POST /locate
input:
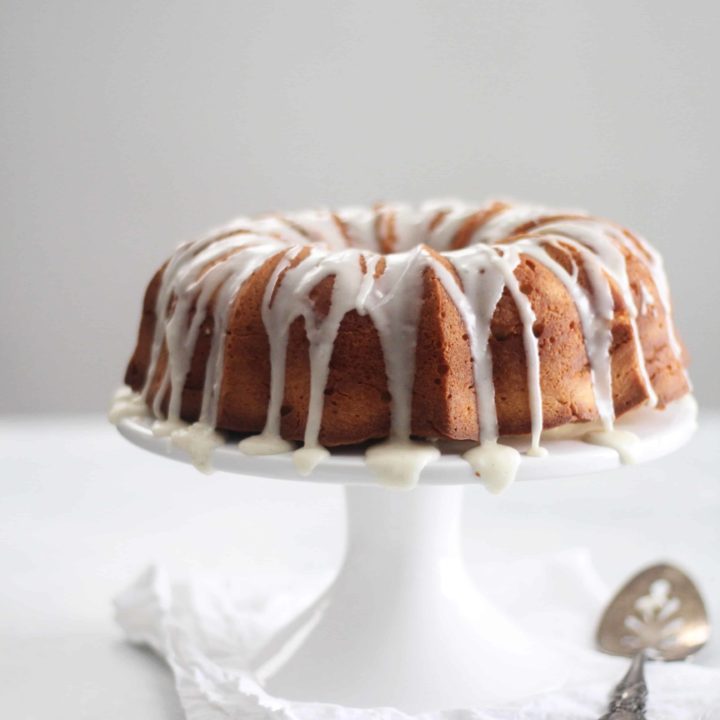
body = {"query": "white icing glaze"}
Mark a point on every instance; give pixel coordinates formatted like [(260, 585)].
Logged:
[(495, 464), (572, 431), (532, 348), (482, 280), (607, 243), (595, 311), (265, 445), (536, 451), (204, 279), (624, 441), (165, 428), (307, 458), (198, 440), (126, 403), (397, 463), (393, 303)]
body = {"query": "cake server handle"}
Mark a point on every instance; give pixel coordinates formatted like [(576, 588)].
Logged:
[(630, 695)]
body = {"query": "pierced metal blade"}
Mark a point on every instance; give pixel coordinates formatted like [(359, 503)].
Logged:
[(659, 611)]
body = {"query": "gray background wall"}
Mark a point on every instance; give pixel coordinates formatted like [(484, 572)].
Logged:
[(128, 127)]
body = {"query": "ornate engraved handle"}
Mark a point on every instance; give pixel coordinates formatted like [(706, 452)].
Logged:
[(628, 698)]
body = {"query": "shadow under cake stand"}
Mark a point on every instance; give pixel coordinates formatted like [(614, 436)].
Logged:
[(402, 625)]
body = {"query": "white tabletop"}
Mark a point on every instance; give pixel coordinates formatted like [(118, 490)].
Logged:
[(82, 512)]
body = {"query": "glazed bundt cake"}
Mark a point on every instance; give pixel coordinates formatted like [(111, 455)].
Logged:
[(402, 324)]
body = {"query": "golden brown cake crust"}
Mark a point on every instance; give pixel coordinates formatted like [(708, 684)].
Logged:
[(357, 400)]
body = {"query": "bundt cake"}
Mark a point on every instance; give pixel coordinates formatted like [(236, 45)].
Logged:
[(407, 325)]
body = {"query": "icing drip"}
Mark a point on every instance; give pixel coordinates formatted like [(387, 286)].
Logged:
[(495, 464), (125, 404), (397, 463), (595, 312), (532, 349), (198, 440), (265, 444), (607, 244), (241, 267), (346, 269), (165, 428), (483, 280), (659, 278), (204, 279), (307, 458), (275, 314), (482, 286), (572, 431), (624, 441), (394, 303)]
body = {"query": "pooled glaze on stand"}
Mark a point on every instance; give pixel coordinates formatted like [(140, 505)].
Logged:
[(377, 259)]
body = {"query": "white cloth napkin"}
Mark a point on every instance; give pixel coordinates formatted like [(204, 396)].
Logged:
[(207, 629)]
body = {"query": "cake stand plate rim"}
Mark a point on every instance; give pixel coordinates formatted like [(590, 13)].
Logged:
[(660, 433)]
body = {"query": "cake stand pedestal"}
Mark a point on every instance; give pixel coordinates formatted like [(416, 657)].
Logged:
[(402, 624)]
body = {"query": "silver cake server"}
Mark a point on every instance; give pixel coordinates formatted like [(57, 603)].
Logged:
[(657, 615)]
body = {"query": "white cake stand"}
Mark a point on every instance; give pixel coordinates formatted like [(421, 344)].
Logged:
[(402, 625)]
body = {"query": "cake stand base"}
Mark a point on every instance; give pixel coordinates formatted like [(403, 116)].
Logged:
[(403, 625)]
